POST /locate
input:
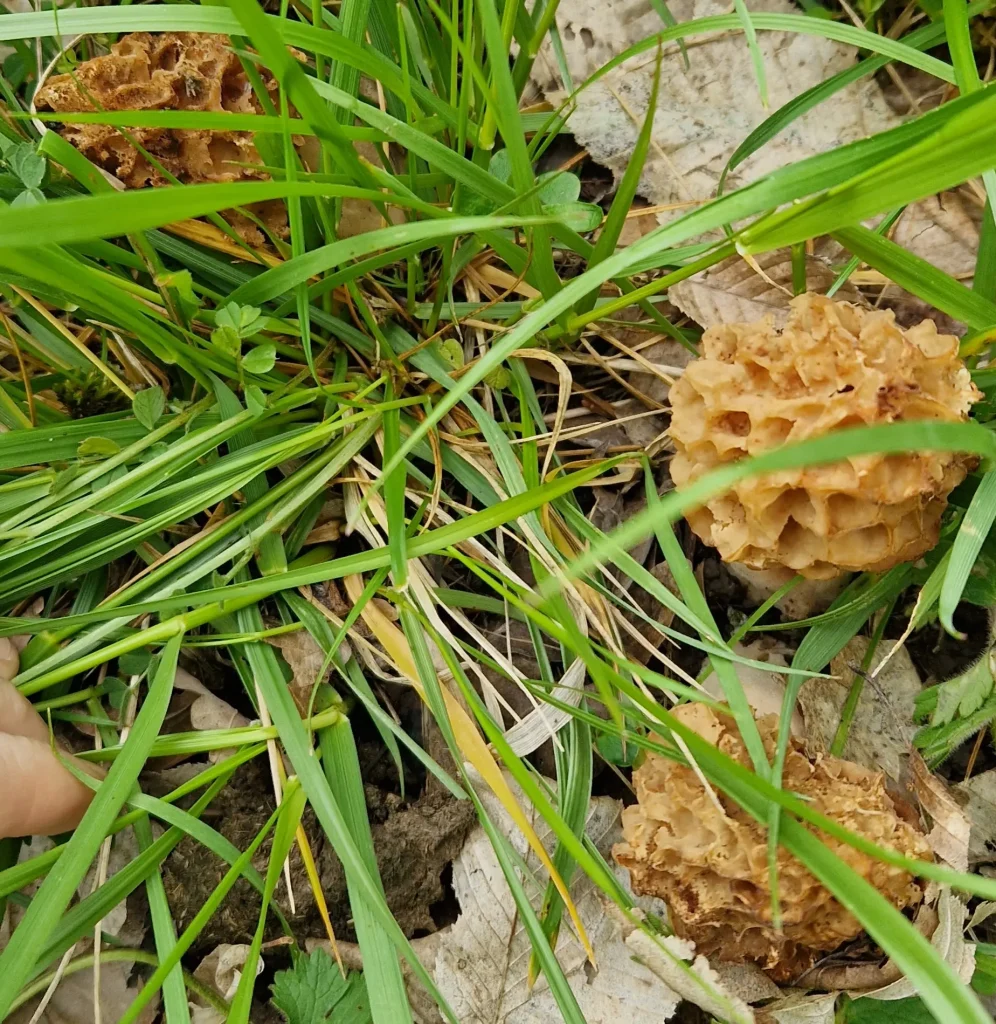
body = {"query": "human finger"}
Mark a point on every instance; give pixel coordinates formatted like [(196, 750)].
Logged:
[(40, 796), (18, 716)]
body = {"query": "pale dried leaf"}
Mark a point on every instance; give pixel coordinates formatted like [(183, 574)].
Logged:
[(979, 795), (746, 982), (685, 979), (881, 732), (481, 962), (128, 929), (944, 231), (205, 1015), (665, 353), (734, 292), (706, 110), (211, 712), (982, 913), (73, 999), (306, 661), (949, 838), (797, 1008), (208, 711), (949, 942)]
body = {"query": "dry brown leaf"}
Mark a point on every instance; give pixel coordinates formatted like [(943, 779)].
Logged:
[(221, 969), (735, 292), (706, 110), (306, 661), (666, 352), (685, 978), (128, 927), (982, 913), (208, 711), (746, 982), (949, 837), (881, 732), (480, 963)]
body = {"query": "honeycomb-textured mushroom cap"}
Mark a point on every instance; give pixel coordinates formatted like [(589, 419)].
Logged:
[(167, 71), (833, 366), (710, 866)]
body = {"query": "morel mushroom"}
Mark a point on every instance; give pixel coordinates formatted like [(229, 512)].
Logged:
[(168, 71), (832, 366), (710, 864)]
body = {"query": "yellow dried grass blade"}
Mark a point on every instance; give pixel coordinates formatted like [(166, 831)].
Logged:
[(468, 739), (311, 870)]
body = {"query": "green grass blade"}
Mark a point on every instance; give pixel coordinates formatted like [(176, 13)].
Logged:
[(968, 543)]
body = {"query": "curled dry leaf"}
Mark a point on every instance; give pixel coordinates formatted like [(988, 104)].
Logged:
[(704, 110), (951, 832), (481, 964), (881, 733), (221, 969), (208, 711), (737, 291), (687, 981), (943, 230), (707, 857), (306, 661), (665, 353), (798, 1008), (126, 924)]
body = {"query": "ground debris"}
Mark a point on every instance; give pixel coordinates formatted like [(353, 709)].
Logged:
[(414, 843)]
